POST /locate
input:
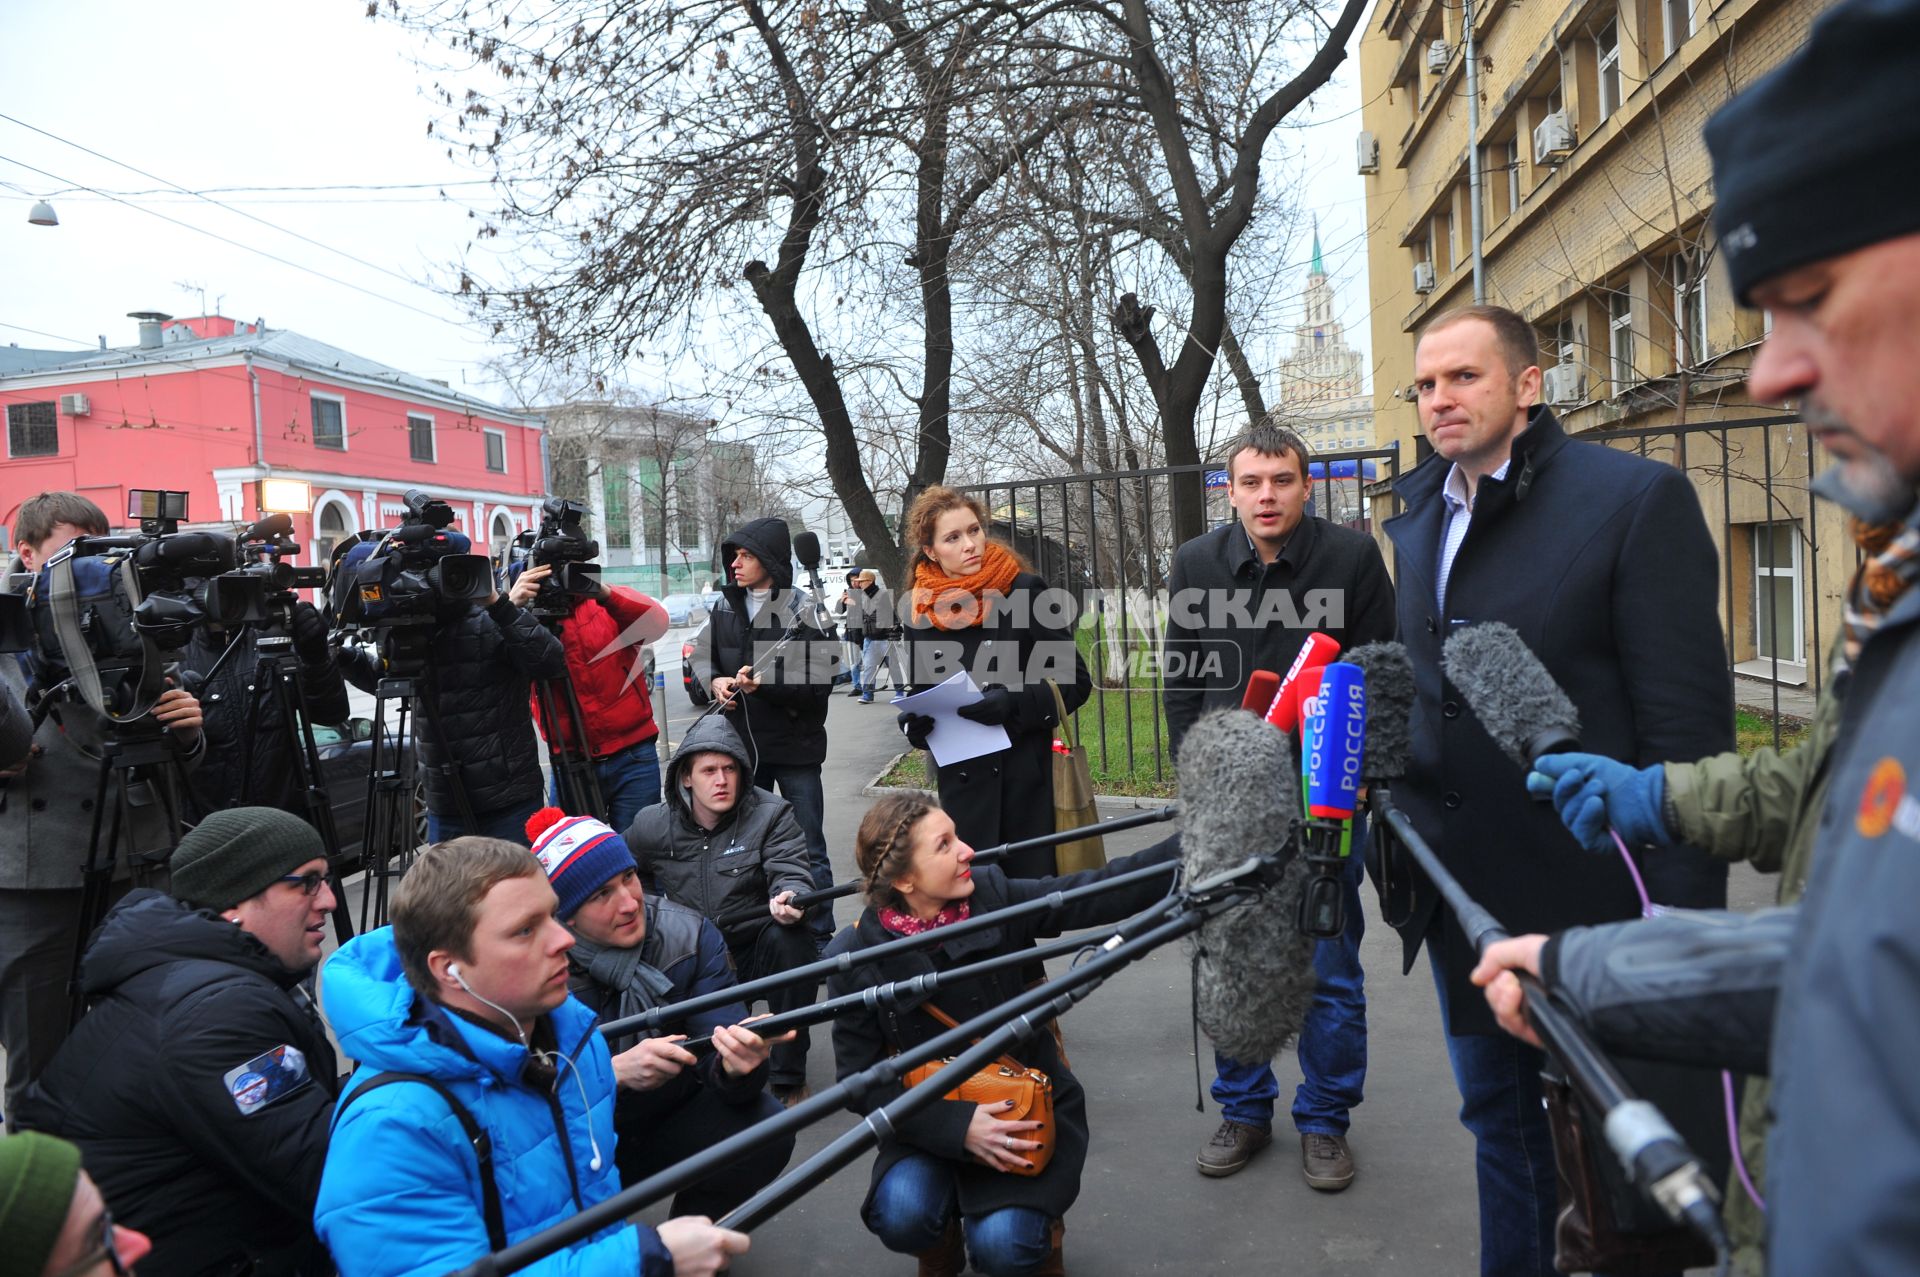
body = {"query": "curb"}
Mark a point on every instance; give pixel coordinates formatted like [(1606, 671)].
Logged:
[(1117, 802)]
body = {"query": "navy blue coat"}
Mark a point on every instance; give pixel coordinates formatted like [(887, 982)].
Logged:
[(1602, 561)]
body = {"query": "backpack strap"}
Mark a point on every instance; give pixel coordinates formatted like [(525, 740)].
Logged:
[(476, 1136)]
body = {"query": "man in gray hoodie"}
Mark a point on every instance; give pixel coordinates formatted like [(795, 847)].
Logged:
[(735, 853)]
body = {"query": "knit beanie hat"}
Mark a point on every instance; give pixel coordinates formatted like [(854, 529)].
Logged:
[(1808, 162), (239, 852), (38, 1174), (579, 854)]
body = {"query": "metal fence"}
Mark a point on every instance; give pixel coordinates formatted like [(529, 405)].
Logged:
[(1785, 561)]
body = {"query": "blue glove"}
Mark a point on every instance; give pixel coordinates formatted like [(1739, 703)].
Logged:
[(1592, 792)]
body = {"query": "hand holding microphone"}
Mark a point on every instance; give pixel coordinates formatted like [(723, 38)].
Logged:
[(1592, 792)]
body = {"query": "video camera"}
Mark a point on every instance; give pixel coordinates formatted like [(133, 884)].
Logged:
[(108, 613), (411, 575), (264, 549), (562, 544)]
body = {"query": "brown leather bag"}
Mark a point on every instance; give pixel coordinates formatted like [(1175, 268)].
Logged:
[(1005, 1079), (1074, 806)]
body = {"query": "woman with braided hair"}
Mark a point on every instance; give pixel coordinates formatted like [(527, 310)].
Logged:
[(977, 607), (946, 1187)]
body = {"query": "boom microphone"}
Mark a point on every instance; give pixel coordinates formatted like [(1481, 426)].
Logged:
[(806, 548), (1389, 675), (1510, 692), (1252, 969), (1262, 687)]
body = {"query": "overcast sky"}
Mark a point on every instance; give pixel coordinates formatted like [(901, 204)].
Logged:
[(221, 93)]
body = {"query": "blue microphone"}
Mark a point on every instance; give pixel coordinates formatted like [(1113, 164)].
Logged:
[(1333, 745)]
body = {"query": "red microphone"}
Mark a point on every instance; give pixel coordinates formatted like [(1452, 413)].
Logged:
[(1262, 687), (1315, 654)]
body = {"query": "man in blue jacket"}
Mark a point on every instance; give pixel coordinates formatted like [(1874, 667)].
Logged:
[(459, 1016)]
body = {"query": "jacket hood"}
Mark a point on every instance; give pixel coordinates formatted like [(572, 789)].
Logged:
[(150, 929), (766, 540), (711, 735), (383, 1024)]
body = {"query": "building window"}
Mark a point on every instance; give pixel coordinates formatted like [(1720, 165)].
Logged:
[(33, 429), (1513, 172), (332, 525), (420, 438), (329, 423), (1442, 233), (1620, 338), (1676, 21), (619, 529), (1777, 620), (1689, 315), (500, 537), (496, 450), (686, 484), (1606, 48)]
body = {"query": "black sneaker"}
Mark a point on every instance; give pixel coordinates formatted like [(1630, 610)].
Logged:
[(1326, 1161), (1231, 1147)]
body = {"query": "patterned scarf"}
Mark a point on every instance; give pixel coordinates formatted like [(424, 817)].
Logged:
[(1891, 566), (905, 924), (959, 602)]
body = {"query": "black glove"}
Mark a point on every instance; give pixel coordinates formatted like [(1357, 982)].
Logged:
[(917, 727), (996, 706), (309, 634)]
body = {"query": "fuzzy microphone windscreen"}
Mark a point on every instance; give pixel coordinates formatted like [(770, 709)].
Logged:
[(1389, 708), (1252, 968), (1510, 692)]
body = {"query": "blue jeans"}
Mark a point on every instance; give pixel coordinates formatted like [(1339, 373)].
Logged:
[(914, 1201), (1333, 1040), (1501, 1105), (509, 823), (629, 782), (800, 785)]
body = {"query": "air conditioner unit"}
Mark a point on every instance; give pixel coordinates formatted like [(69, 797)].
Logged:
[(1563, 384), (1367, 152), (1423, 277), (75, 405), (1552, 139), (1437, 57)]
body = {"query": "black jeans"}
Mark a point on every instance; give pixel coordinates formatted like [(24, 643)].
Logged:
[(680, 1120), (766, 948)]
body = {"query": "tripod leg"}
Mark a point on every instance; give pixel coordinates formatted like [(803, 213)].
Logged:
[(304, 756)]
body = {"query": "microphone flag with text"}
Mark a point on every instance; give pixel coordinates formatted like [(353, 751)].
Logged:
[(1333, 735)]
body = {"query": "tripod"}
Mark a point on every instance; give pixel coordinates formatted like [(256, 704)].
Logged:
[(575, 778), (390, 836)]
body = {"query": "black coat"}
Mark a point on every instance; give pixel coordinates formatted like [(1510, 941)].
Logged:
[(1007, 796), (1334, 582), (190, 1016), (239, 689), (862, 1038), (1602, 561), (784, 720), (480, 667)]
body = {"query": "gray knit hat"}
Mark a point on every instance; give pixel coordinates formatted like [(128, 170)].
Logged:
[(238, 853)]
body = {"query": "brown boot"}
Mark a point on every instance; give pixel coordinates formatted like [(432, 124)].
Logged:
[(1056, 1265), (947, 1257)]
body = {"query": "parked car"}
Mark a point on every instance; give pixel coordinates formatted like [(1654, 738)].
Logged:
[(685, 609), (697, 690), (344, 753)]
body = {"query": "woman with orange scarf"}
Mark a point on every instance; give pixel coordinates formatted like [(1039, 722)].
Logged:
[(976, 606)]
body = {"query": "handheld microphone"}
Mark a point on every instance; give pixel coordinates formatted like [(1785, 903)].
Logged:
[(1318, 650), (1332, 744), (806, 548), (1262, 687), (1510, 692), (1252, 969)]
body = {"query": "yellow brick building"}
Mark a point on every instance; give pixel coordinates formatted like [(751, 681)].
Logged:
[(1595, 197)]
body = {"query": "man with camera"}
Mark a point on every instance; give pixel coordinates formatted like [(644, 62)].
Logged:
[(476, 666), (47, 810), (605, 631), (200, 1083)]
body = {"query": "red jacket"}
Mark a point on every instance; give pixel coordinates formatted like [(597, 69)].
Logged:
[(617, 715)]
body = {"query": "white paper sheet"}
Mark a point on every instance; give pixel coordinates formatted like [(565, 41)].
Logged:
[(955, 739)]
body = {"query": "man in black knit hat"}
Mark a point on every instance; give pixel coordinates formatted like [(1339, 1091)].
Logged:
[(200, 1082)]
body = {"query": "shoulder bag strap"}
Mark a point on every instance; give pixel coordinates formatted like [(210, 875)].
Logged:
[(1006, 1061)]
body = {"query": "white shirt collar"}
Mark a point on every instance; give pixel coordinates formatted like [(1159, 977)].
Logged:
[(1455, 488)]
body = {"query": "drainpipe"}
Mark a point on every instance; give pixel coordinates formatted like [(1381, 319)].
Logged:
[(1474, 176)]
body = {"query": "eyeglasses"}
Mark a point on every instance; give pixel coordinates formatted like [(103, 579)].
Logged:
[(309, 883), (104, 1249)]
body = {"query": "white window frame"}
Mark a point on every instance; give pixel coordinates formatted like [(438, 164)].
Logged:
[(1690, 309), (1676, 33), (1513, 175), (1620, 339), (1793, 668), (340, 402), (1607, 66), (486, 433), (433, 438)]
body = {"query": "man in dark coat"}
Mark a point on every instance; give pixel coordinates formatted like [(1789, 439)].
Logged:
[(1245, 597), (481, 665), (780, 708), (199, 1085), (1602, 561)]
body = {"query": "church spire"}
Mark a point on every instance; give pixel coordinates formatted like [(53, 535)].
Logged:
[(1319, 267)]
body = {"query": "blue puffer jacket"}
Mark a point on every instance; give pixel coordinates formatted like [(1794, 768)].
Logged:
[(401, 1191)]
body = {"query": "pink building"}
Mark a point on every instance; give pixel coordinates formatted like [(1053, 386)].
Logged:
[(211, 407)]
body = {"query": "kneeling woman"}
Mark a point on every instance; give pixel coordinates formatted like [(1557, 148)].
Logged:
[(951, 1169)]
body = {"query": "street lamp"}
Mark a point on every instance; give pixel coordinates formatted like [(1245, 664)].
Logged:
[(42, 214)]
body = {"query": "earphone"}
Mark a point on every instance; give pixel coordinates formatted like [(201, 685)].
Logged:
[(550, 1057)]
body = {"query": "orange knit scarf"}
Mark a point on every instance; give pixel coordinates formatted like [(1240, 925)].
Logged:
[(959, 602)]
